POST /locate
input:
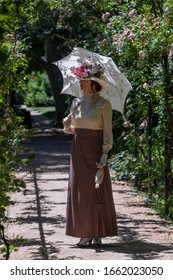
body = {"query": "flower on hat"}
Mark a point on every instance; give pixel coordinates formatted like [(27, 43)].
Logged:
[(87, 70)]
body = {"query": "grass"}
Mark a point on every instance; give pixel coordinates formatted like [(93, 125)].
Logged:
[(49, 111)]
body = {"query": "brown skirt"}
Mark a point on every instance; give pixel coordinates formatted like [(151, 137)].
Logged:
[(90, 211)]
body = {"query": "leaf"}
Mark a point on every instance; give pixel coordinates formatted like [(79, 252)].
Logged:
[(25, 161)]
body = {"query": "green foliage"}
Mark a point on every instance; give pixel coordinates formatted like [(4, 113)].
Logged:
[(13, 135), (139, 37), (12, 58), (37, 91), (12, 138), (80, 23), (158, 202), (126, 167)]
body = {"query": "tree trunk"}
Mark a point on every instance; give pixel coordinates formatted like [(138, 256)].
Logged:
[(54, 75), (55, 79)]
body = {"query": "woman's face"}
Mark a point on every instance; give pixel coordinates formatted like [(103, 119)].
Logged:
[(85, 85)]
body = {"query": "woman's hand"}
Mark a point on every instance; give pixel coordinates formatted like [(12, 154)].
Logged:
[(69, 130), (72, 129), (66, 122)]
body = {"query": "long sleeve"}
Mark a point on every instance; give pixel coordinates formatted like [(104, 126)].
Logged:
[(107, 127)]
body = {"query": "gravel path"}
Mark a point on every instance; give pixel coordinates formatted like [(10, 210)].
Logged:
[(36, 222)]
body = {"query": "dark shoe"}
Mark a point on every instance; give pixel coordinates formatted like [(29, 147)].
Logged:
[(84, 242), (97, 242)]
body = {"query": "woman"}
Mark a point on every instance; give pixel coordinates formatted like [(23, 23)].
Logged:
[(90, 210)]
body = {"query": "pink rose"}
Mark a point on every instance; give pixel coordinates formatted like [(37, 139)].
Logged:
[(109, 25), (133, 13), (144, 124), (105, 16)]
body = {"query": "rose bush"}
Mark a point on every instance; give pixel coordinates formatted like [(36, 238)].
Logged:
[(140, 40)]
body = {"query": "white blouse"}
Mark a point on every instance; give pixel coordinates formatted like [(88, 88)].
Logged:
[(96, 115)]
